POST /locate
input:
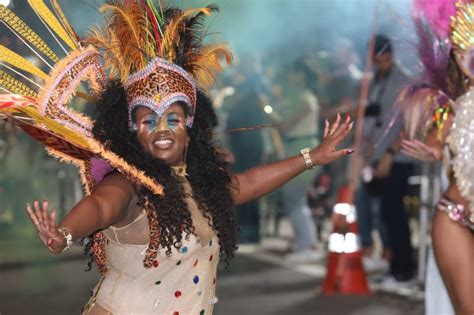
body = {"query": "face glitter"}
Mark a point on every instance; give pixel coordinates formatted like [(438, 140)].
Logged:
[(171, 121)]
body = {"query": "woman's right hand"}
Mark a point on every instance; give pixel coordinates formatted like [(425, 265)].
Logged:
[(421, 151), (46, 227), (334, 134)]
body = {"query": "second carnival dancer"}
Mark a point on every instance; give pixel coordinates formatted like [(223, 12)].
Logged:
[(449, 136), (160, 197)]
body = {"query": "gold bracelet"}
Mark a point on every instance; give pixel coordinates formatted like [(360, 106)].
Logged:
[(67, 236), (307, 159)]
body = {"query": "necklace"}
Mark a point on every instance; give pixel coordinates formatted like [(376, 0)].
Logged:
[(180, 170)]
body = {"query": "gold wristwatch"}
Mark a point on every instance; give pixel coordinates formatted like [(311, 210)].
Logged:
[(307, 159)]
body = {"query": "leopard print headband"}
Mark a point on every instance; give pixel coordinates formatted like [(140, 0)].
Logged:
[(158, 86)]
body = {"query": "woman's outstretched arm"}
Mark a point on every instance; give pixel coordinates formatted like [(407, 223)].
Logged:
[(259, 181), (107, 205)]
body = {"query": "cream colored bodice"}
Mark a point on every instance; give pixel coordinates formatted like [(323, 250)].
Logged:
[(183, 283)]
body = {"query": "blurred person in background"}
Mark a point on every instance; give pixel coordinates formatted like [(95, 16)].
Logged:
[(297, 107), (244, 109), (379, 199), (341, 94)]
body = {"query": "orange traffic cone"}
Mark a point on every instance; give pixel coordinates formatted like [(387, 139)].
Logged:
[(345, 273)]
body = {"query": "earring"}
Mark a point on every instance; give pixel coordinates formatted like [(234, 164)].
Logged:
[(185, 154)]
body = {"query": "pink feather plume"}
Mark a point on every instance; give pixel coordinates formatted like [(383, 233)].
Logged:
[(437, 13)]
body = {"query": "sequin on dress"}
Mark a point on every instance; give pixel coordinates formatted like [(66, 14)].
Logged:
[(183, 283)]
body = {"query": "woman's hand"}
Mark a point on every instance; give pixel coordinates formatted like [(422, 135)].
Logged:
[(421, 151), (327, 152), (45, 224)]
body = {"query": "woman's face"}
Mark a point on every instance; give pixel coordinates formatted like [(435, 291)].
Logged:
[(163, 137)]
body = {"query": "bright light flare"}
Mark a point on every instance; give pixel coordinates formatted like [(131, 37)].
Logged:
[(268, 109)]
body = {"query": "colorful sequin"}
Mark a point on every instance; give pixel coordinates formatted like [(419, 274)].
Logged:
[(441, 114)]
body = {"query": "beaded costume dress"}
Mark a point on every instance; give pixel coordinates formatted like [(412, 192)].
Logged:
[(183, 283)]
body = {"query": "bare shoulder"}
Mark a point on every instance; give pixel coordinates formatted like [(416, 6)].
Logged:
[(115, 182), (117, 198)]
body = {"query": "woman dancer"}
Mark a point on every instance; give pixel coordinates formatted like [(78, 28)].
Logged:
[(453, 222), (159, 208)]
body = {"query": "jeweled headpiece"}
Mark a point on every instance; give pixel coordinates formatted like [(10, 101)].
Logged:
[(158, 86), (40, 102), (462, 26), (159, 54)]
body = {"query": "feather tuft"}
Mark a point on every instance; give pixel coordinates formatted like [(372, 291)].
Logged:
[(19, 62), (13, 85), (24, 31), (64, 20), (45, 13)]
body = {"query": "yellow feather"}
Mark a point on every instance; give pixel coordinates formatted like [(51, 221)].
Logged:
[(126, 43), (15, 86), (21, 63), (125, 16), (106, 42), (69, 135), (125, 23), (22, 29), (171, 36), (63, 19), (205, 65), (45, 13)]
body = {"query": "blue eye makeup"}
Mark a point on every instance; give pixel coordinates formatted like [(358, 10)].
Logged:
[(151, 122), (172, 121)]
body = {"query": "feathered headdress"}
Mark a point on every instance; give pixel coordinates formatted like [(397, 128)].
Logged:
[(436, 13), (429, 103), (158, 54), (462, 26), (432, 25), (40, 101)]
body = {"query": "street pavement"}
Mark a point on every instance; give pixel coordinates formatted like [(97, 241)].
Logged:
[(258, 281)]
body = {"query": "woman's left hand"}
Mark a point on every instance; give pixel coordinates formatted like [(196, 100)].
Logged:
[(334, 133)]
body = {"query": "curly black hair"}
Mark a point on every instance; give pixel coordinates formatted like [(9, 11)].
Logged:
[(208, 174)]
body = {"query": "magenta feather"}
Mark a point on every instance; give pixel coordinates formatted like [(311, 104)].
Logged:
[(437, 14), (433, 52)]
